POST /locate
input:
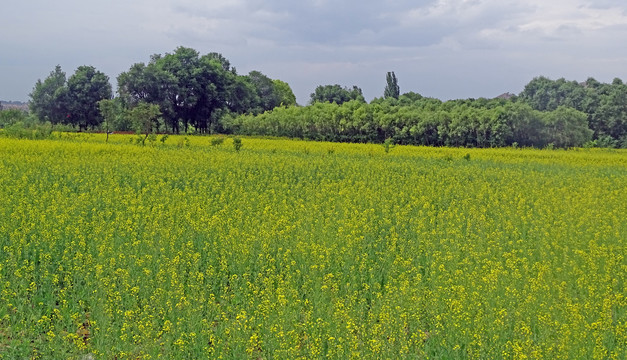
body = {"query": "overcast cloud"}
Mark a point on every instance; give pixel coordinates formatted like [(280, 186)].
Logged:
[(441, 48)]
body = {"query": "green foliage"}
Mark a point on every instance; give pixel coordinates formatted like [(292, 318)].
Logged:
[(243, 97), (392, 90), (418, 121), (413, 119), (73, 102), (187, 87), (183, 142), (85, 88), (145, 118), (9, 117), (603, 142), (284, 92), (217, 141), (49, 99), (194, 91), (388, 144), (19, 130), (269, 97), (336, 94), (237, 144), (605, 105), (566, 127), (152, 138)]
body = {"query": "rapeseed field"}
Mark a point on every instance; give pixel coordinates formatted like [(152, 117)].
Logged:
[(188, 249)]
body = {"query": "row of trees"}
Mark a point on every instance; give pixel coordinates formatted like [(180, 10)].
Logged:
[(422, 121), (189, 90), (604, 104), (339, 95), (71, 101), (184, 91), (547, 112), (194, 90)]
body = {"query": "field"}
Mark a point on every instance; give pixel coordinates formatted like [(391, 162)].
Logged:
[(293, 249)]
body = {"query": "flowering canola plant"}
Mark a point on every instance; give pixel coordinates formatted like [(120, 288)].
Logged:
[(303, 250)]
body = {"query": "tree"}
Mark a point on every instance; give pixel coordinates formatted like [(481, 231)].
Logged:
[(49, 98), (243, 97), (151, 84), (84, 90), (566, 127), (10, 117), (336, 94), (215, 84), (108, 111), (284, 93), (145, 118), (525, 124), (226, 64), (610, 117), (190, 89), (269, 98), (392, 90)]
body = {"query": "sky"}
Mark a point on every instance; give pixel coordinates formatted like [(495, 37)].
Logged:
[(448, 49)]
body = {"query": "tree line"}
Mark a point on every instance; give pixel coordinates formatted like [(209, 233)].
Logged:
[(547, 112), (414, 120), (185, 91), (189, 89)]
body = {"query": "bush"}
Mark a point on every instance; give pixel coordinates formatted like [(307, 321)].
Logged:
[(37, 132), (11, 116), (216, 141), (237, 143)]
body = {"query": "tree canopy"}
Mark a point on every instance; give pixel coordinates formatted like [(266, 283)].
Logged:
[(195, 90), (73, 102), (392, 90), (336, 94), (49, 97), (204, 93)]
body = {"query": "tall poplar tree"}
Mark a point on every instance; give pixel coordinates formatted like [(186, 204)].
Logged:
[(392, 90)]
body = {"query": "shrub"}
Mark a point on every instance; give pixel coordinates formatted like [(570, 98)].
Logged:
[(237, 144)]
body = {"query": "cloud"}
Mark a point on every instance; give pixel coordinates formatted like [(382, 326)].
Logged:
[(444, 48)]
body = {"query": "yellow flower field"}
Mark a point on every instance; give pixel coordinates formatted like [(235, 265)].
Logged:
[(301, 250)]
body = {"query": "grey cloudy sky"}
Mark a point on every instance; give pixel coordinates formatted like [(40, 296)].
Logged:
[(441, 48)]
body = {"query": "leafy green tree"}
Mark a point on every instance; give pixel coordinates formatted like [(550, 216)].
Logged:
[(226, 64), (10, 117), (150, 83), (409, 98), (243, 97), (215, 84), (566, 127), (525, 123), (84, 90), (336, 94), (48, 100), (392, 90), (610, 117), (145, 118), (190, 89), (108, 111), (284, 92), (269, 98)]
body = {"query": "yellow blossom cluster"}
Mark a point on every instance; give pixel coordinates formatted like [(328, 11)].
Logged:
[(304, 250)]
